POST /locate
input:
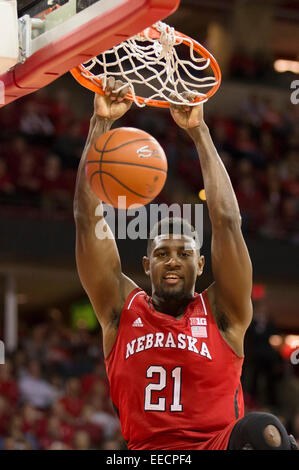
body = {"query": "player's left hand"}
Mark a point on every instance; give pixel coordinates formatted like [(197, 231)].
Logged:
[(112, 104), (187, 117)]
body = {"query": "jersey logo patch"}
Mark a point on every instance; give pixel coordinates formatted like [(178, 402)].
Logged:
[(137, 322), (198, 321), (199, 331)]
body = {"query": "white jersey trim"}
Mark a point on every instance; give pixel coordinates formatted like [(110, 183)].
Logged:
[(133, 298), (203, 304)]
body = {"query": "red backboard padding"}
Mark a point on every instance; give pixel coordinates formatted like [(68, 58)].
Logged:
[(86, 41)]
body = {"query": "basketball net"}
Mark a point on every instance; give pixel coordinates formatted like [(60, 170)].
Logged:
[(152, 59)]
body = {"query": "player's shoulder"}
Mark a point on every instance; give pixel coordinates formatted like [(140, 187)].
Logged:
[(135, 298)]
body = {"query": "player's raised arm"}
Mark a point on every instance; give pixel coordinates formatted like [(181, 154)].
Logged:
[(230, 295), (98, 261)]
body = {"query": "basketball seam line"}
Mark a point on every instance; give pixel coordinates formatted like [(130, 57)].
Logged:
[(122, 145), (119, 182), (128, 163)]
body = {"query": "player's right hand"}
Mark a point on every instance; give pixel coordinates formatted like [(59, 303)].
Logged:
[(112, 105), (187, 117)]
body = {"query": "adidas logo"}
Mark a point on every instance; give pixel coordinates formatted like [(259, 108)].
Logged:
[(137, 322)]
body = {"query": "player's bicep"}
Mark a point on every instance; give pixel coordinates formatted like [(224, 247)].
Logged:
[(232, 271), (99, 269)]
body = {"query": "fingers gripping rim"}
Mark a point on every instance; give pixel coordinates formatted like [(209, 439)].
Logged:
[(95, 84)]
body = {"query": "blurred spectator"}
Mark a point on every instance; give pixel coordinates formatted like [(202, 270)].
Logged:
[(100, 417), (8, 443), (289, 173), (31, 419), (57, 409), (69, 145), (289, 220), (94, 430), (27, 180), (252, 110), (82, 441), (221, 138), (34, 121), (242, 66), (56, 430), (271, 225), (228, 163), (35, 345), (34, 389), (62, 112), (245, 146), (8, 383), (112, 444), (57, 108), (15, 432), (266, 363), (79, 345), (57, 445), (55, 191), (12, 443), (9, 119), (72, 401), (244, 168), (5, 415), (7, 187), (250, 201), (170, 146), (95, 382), (20, 361), (58, 357), (14, 151), (272, 117), (269, 149)]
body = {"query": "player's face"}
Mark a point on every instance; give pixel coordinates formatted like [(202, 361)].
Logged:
[(173, 266)]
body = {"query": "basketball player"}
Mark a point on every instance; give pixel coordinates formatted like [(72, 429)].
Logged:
[(174, 359)]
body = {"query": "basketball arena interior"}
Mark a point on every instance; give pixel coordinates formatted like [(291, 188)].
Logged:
[(53, 387)]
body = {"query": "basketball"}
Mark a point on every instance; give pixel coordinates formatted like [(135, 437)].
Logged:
[(126, 162)]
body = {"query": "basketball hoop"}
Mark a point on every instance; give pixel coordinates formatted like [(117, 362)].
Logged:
[(151, 61)]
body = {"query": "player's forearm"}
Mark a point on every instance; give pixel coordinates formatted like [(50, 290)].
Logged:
[(221, 199), (85, 202)]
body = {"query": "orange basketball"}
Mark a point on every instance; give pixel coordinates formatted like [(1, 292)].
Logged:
[(126, 162)]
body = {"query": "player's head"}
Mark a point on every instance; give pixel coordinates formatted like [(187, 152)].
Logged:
[(173, 260)]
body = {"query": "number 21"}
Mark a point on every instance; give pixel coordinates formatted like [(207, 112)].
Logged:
[(176, 374)]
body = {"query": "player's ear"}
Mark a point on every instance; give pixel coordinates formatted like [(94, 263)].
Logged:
[(146, 265), (200, 265)]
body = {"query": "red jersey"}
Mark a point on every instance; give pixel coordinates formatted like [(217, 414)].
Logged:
[(175, 383)]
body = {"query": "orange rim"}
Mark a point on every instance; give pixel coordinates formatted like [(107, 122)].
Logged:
[(95, 85)]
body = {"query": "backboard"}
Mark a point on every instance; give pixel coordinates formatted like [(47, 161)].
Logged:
[(57, 35)]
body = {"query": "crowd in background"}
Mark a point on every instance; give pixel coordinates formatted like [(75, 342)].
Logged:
[(54, 393), (42, 141)]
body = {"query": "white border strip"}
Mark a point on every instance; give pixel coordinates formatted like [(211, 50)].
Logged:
[(203, 304), (133, 298)]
